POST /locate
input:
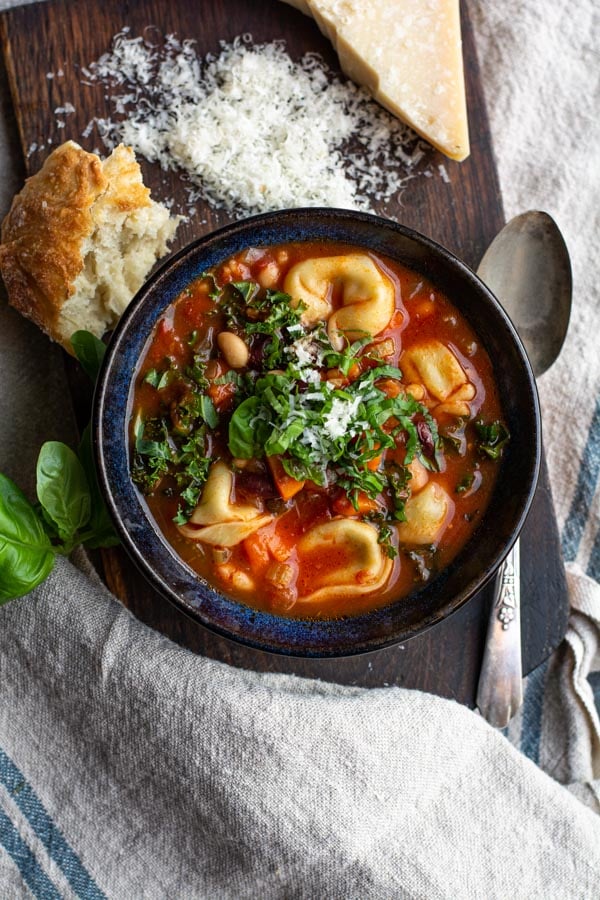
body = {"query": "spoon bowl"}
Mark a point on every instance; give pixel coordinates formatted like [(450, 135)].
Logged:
[(527, 266)]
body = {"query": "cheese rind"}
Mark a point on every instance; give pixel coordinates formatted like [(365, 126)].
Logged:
[(408, 54)]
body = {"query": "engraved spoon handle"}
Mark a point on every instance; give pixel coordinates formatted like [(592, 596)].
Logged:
[(500, 688)]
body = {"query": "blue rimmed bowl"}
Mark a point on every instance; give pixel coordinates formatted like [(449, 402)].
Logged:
[(476, 562)]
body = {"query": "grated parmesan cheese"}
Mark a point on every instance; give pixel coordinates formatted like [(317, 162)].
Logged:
[(250, 129), (342, 414)]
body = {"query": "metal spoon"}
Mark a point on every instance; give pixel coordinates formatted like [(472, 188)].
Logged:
[(527, 267)]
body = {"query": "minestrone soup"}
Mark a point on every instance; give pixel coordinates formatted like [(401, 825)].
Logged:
[(315, 429)]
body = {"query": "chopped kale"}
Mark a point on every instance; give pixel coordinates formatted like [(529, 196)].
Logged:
[(492, 438)]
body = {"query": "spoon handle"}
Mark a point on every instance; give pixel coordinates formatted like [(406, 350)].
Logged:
[(500, 688)]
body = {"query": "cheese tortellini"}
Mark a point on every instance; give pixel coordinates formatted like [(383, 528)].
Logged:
[(357, 563), (226, 523), (427, 514), (368, 295), (436, 367)]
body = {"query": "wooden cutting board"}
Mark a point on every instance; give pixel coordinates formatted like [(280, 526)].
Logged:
[(463, 213)]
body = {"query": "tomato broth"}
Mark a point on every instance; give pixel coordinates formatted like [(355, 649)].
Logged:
[(316, 429)]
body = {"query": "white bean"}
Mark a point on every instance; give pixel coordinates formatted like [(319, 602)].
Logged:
[(269, 275), (234, 349)]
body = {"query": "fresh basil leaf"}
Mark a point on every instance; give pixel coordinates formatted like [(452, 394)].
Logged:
[(89, 351), (62, 488), (100, 524), (242, 436), (26, 555), (207, 411), (230, 377)]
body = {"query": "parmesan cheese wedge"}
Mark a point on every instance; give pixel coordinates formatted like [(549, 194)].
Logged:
[(408, 54)]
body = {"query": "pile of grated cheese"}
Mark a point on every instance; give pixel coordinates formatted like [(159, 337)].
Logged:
[(250, 129)]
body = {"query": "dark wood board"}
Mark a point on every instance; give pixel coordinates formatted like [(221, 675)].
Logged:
[(463, 214)]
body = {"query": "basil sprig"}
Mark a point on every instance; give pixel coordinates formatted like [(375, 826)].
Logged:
[(26, 554), (70, 509)]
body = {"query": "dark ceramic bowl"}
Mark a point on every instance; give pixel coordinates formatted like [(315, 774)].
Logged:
[(473, 566)]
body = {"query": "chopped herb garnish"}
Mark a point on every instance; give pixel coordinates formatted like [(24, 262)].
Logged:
[(246, 288), (465, 483), (453, 436), (385, 534), (385, 539), (398, 478), (230, 377), (214, 290), (326, 434), (152, 453), (197, 372), (424, 560), (491, 438), (192, 467), (207, 411), (158, 380)]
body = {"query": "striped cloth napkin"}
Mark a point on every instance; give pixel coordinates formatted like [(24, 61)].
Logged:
[(131, 768)]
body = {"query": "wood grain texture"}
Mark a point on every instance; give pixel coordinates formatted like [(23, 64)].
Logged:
[(463, 214)]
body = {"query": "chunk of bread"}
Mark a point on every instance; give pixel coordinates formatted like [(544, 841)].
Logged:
[(80, 239), (408, 54)]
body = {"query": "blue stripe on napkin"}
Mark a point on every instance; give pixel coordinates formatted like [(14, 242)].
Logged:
[(34, 877), (51, 837), (593, 569), (589, 471), (533, 705), (594, 680)]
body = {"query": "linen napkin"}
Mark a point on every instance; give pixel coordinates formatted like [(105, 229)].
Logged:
[(131, 768)]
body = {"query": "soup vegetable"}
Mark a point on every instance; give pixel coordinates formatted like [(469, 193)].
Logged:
[(316, 430)]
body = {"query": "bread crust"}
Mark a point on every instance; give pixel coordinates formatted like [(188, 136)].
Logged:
[(43, 233)]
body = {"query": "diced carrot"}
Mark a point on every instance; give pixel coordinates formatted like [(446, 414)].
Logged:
[(389, 426), (280, 544), (374, 463), (222, 395), (287, 486), (396, 320), (343, 506), (255, 548), (257, 551), (384, 349), (390, 387)]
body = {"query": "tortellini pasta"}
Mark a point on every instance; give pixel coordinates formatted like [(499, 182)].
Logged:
[(427, 514), (215, 505), (357, 563), (226, 534), (436, 367), (226, 523), (368, 295)]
